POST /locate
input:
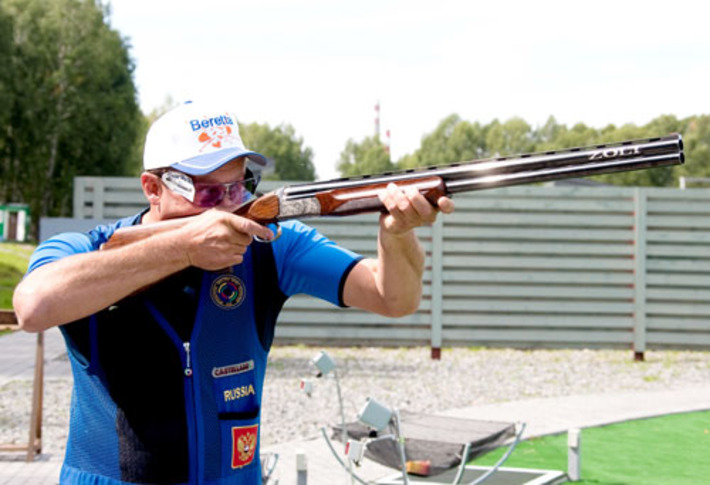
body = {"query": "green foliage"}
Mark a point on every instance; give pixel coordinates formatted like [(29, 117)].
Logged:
[(513, 136), (696, 130), (455, 140), (368, 157), (7, 71), (71, 98), (292, 161)]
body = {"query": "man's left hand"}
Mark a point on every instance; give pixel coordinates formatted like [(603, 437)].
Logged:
[(408, 209)]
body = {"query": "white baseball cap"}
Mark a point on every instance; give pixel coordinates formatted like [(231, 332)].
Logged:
[(195, 139)]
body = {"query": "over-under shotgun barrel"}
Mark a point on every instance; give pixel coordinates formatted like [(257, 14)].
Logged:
[(530, 168), (342, 197), (355, 195)]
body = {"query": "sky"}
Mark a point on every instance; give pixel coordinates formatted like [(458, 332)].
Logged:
[(322, 65)]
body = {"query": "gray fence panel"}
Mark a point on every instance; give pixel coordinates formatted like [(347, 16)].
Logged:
[(545, 266), (678, 265), (51, 226)]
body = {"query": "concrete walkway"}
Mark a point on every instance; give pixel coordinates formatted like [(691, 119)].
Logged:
[(17, 356), (542, 416)]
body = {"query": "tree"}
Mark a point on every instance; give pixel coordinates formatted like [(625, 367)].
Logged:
[(367, 157), (6, 100), (696, 139), (510, 138), (72, 102), (6, 72), (453, 140), (291, 160), (546, 135)]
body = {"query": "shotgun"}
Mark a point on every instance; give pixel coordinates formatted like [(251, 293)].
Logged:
[(356, 195)]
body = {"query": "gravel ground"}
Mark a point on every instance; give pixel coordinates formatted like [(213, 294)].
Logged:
[(403, 378)]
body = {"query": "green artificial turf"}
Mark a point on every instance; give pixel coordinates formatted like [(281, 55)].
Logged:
[(13, 264), (673, 449)]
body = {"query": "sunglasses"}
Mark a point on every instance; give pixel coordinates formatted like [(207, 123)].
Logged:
[(210, 195)]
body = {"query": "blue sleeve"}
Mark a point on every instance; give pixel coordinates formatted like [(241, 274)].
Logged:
[(70, 243), (58, 247), (307, 262)]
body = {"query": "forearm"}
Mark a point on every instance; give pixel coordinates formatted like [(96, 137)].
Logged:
[(80, 285), (391, 284), (399, 273)]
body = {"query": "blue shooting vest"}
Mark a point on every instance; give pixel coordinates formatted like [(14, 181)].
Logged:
[(221, 367), (168, 383)]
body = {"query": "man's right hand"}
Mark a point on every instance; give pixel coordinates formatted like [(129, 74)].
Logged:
[(217, 239)]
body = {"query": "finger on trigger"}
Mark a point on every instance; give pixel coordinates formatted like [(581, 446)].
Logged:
[(264, 233), (251, 229)]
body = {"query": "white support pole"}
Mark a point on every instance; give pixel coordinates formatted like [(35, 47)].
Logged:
[(301, 469), (21, 231), (574, 454)]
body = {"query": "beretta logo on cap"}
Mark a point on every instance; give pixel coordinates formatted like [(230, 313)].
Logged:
[(214, 132)]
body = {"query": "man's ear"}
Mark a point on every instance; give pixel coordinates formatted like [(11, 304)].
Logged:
[(152, 188)]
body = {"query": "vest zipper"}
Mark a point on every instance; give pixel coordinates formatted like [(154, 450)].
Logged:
[(188, 365), (190, 408)]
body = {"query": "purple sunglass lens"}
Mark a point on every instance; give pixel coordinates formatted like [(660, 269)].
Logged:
[(236, 193), (209, 195)]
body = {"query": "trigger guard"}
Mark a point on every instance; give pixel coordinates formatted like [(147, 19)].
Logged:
[(278, 235)]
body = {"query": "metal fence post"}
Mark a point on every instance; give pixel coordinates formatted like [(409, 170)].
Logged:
[(437, 286), (640, 221)]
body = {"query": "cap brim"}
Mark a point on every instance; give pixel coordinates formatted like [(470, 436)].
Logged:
[(207, 163)]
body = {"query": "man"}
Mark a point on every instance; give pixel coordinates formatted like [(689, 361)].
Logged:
[(168, 336)]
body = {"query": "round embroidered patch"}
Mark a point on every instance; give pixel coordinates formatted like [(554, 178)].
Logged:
[(227, 291)]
